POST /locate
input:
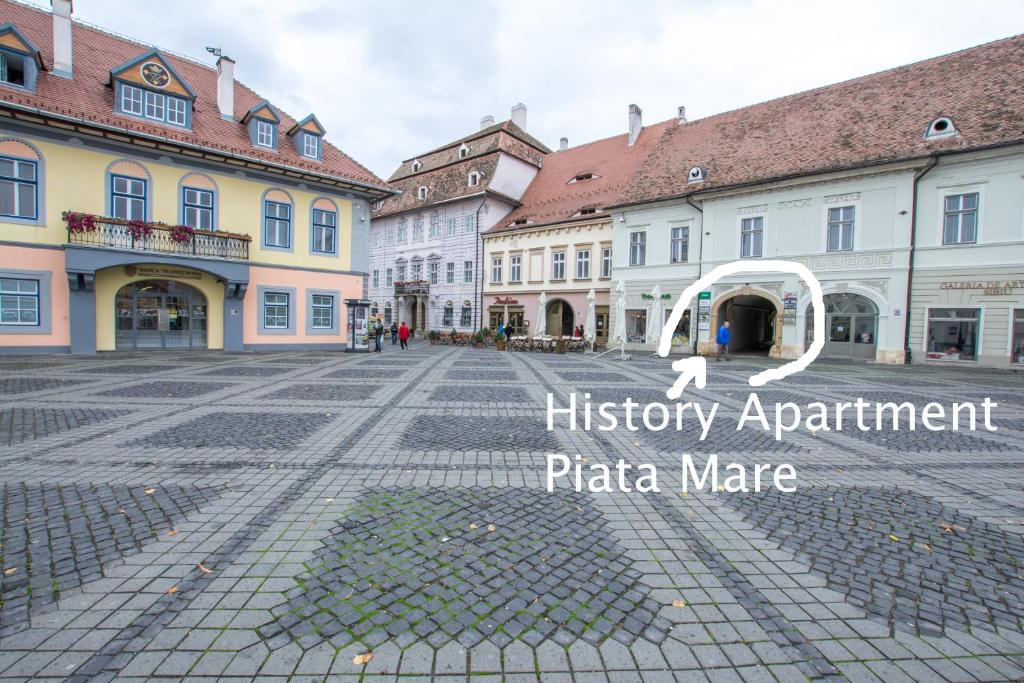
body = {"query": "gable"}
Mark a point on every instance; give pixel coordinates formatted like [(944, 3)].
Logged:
[(152, 72), (310, 124), (262, 111), (13, 39)]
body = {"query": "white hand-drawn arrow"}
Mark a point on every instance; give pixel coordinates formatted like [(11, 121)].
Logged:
[(695, 368)]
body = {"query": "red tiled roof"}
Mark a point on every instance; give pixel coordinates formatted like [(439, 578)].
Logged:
[(873, 119), (553, 198), (89, 98)]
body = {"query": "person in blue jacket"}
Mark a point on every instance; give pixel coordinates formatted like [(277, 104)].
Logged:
[(723, 341)]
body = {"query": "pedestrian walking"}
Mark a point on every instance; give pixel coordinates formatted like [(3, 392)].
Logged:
[(403, 336), (501, 331), (394, 333), (723, 341), (378, 335)]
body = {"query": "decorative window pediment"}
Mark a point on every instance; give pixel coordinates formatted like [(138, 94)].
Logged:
[(149, 88), (20, 61)]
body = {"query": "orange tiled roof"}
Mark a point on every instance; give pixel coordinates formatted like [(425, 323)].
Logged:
[(88, 97), (872, 119)]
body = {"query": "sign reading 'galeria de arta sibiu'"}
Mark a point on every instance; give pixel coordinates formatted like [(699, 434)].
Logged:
[(997, 287)]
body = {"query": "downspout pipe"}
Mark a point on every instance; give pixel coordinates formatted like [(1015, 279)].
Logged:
[(700, 273), (478, 285), (912, 253)]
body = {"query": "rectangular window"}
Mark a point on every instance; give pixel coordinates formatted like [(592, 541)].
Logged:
[(606, 262), (197, 208), (389, 277), (311, 146), (751, 237), (18, 188), (403, 233), (324, 230), (275, 310), (496, 270), (417, 272), (1017, 341), (417, 230), (637, 248), (467, 317), (515, 267), (128, 198), (558, 265), (435, 226), (376, 278), (277, 227), (953, 333), (680, 248), (433, 269), (264, 133), (636, 325), (583, 264), (451, 226), (467, 271), (131, 100), (323, 312), (19, 302), (176, 111), (840, 228), (470, 222), (400, 273), (154, 106), (12, 69), (449, 273), (449, 317), (960, 220)]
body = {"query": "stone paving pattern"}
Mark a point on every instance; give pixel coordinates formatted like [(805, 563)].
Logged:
[(200, 516)]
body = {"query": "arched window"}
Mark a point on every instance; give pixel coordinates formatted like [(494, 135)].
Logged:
[(448, 319), (940, 128), (129, 191), (277, 219), (198, 201), (21, 182), (324, 229)]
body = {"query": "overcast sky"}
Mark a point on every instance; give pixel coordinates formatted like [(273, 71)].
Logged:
[(392, 79)]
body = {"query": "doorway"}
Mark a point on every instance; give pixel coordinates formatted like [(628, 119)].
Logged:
[(851, 327), (560, 318), (160, 314), (752, 321)]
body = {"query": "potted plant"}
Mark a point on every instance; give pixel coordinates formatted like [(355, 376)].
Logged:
[(478, 339), (433, 336), (499, 341)]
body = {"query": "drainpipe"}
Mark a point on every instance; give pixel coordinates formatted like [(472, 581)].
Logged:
[(700, 273), (911, 255), (478, 284)]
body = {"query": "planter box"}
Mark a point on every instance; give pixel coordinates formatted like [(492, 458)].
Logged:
[(500, 345)]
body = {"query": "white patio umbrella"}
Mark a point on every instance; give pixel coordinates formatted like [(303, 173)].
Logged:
[(619, 334), (590, 327), (655, 318), (542, 315)]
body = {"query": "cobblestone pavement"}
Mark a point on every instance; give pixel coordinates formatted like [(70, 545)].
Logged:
[(288, 515)]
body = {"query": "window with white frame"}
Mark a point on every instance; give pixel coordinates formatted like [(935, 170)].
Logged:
[(403, 234), (960, 218), (422, 192), (400, 272), (448, 318), (376, 278), (467, 272), (275, 310), (323, 311), (583, 264), (128, 198), (496, 270), (470, 221), (19, 189), (474, 179), (153, 105), (389, 277), (840, 228), (751, 236), (953, 333), (325, 227), (606, 262), (310, 146), (464, 151), (435, 226), (467, 315), (638, 248), (417, 229), (277, 225), (264, 133), (515, 268), (558, 265), (176, 108), (131, 100), (19, 302), (197, 208), (387, 313), (449, 273), (433, 270), (417, 271), (680, 247), (451, 226)]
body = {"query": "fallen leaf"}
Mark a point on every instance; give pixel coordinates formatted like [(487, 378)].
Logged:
[(720, 488), (579, 509), (491, 527), (363, 659), (172, 589), (474, 526), (204, 569), (10, 570), (679, 603), (584, 460), (927, 547), (172, 532), (894, 538), (150, 490), (329, 500)]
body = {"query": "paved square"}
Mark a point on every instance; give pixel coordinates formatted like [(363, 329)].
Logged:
[(263, 516)]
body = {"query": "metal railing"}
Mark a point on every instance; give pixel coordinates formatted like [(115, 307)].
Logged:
[(114, 233), (412, 287)]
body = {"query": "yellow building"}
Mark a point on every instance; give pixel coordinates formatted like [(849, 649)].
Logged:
[(150, 201)]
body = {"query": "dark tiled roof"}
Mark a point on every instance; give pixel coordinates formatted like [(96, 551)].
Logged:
[(873, 119), (88, 97)]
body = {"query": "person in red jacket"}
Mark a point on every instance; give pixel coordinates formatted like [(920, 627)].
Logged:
[(403, 335)]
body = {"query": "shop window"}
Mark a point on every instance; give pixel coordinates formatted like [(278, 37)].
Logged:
[(953, 333), (19, 190), (681, 335), (19, 302), (636, 325), (1017, 343)]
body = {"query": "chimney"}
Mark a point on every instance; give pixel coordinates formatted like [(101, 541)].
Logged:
[(486, 122), (635, 125), (519, 115), (563, 144), (226, 87), (682, 115), (62, 64)]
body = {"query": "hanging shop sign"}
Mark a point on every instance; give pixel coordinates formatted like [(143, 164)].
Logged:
[(789, 301)]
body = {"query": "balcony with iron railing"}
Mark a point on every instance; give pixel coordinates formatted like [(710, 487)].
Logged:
[(157, 238), (412, 287)]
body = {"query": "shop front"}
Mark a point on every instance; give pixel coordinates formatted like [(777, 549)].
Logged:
[(564, 312), (160, 314)]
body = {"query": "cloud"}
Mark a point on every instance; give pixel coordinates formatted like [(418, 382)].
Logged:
[(390, 80)]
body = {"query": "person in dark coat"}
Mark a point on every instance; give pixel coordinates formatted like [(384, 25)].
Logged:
[(394, 333)]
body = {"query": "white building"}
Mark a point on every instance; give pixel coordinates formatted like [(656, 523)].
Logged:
[(858, 181), (425, 250)]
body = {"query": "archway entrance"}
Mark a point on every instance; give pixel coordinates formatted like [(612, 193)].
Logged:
[(560, 318), (751, 321), (851, 326), (160, 314)]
